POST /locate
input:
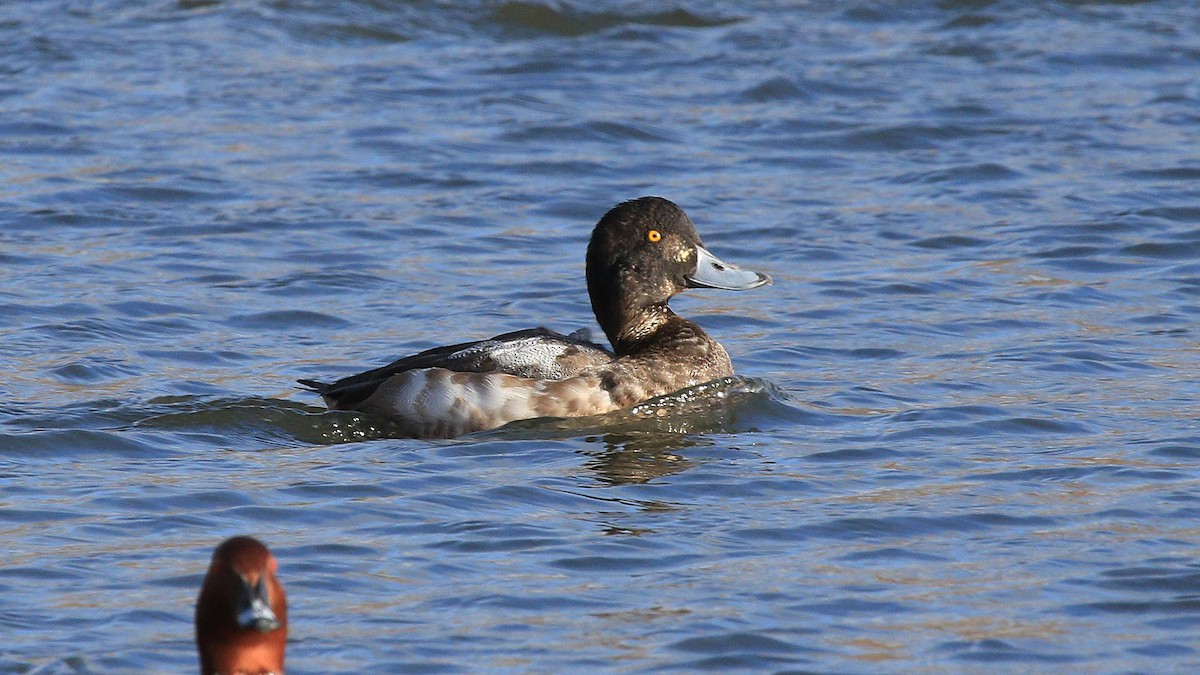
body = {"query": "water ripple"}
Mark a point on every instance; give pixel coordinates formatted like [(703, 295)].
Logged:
[(963, 436)]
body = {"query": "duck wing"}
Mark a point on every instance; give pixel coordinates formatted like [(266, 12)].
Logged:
[(535, 353)]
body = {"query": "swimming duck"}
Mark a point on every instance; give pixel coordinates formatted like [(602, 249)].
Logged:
[(642, 253), (241, 614)]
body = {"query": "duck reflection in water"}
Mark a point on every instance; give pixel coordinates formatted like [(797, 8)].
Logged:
[(636, 458)]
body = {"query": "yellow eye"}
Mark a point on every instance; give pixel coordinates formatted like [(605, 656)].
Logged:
[(653, 235)]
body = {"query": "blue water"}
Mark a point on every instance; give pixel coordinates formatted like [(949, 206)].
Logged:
[(966, 437)]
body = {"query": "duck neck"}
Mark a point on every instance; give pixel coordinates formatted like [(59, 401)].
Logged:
[(636, 327)]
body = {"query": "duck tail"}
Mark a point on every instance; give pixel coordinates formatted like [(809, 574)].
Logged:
[(314, 386)]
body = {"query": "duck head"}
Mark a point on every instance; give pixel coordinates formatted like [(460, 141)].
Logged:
[(642, 253), (241, 614)]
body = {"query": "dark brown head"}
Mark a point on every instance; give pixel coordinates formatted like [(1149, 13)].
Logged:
[(643, 252), (241, 614)]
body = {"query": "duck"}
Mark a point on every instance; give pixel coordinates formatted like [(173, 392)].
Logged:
[(642, 252), (241, 613)]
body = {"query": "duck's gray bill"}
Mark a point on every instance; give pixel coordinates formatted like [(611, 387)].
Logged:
[(254, 607), (712, 273)]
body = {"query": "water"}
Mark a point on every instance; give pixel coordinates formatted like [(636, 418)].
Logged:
[(966, 434)]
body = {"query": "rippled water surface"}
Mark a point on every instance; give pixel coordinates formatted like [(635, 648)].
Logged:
[(966, 434)]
